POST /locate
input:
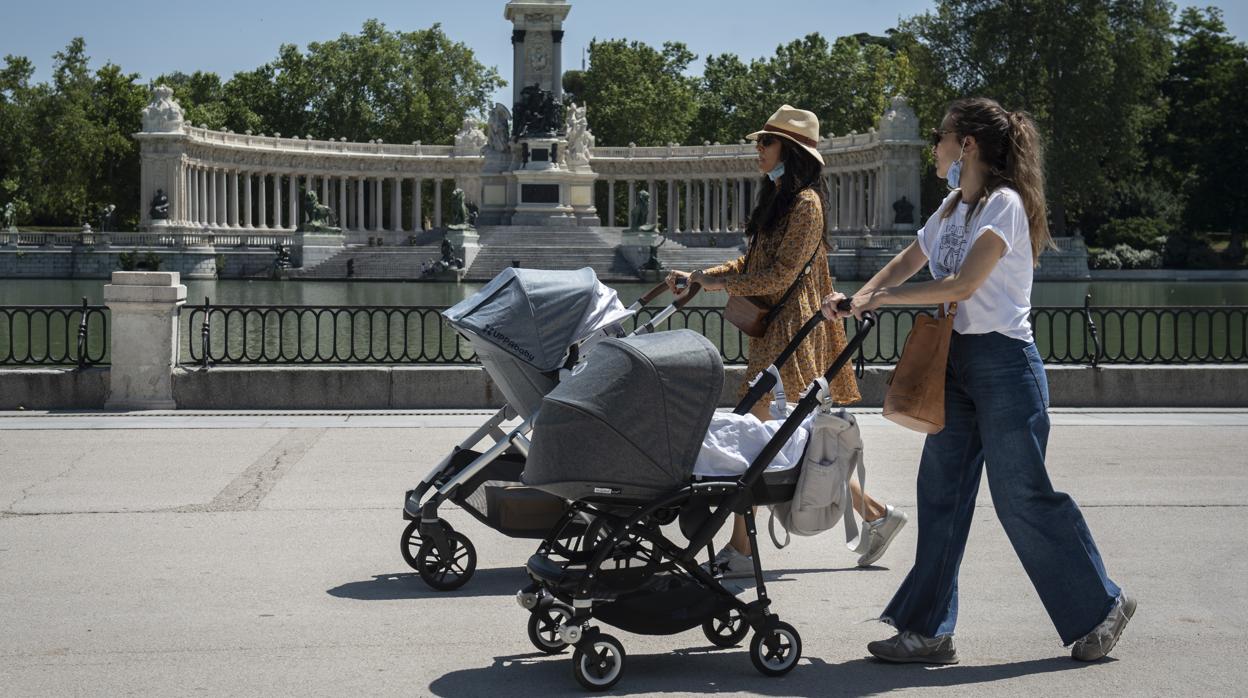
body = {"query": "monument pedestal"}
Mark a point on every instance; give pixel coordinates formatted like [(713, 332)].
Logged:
[(544, 191), (635, 248)]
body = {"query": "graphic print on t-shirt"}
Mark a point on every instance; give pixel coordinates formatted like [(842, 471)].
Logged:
[(952, 246)]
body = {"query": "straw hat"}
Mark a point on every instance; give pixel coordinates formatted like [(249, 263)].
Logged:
[(796, 125)]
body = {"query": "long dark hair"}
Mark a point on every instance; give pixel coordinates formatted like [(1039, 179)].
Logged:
[(1009, 144), (775, 200)]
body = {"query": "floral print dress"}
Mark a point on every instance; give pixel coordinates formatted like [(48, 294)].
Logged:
[(776, 260)]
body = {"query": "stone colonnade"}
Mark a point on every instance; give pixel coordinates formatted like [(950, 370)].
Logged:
[(856, 201)]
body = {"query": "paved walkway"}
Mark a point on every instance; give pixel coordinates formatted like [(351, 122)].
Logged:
[(257, 554)]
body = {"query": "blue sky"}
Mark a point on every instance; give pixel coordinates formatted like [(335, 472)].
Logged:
[(156, 36)]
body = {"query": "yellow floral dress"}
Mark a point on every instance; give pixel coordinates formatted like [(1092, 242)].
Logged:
[(779, 256)]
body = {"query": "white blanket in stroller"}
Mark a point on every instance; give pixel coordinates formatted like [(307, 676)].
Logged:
[(733, 441)]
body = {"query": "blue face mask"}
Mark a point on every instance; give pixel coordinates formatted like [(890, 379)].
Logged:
[(776, 172), (954, 175)]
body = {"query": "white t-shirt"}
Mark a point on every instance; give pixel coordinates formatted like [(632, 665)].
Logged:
[(1003, 302)]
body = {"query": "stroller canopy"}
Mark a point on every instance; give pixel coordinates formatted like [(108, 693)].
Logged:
[(536, 315), (629, 422)]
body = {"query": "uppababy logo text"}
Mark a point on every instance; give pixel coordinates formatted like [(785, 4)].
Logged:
[(493, 333)]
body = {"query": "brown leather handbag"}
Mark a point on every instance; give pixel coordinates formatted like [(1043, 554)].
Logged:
[(916, 388), (751, 314)]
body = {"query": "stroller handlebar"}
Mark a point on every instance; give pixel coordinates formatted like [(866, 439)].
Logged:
[(689, 291), (766, 381)]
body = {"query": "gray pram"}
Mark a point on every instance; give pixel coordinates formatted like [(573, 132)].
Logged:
[(620, 438), (528, 327)]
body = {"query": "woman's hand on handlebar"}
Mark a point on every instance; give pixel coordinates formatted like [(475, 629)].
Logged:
[(677, 281), (837, 305)]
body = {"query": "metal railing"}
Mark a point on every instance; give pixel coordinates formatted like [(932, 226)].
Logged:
[(54, 335), (270, 334)]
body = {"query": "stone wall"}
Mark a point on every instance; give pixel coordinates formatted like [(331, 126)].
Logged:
[(469, 387), (84, 263)]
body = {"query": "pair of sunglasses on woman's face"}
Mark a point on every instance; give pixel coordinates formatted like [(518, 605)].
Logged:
[(767, 141), (938, 134)]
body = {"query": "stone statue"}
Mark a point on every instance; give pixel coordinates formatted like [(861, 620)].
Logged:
[(160, 206), (640, 214), (470, 136), (162, 114), (317, 217), (899, 120), (580, 140), (459, 211), (9, 220), (104, 218), (500, 128), (903, 211)]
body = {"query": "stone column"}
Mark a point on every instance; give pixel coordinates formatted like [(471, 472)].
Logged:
[(723, 204), (325, 190), (418, 204), (706, 205), (360, 220), (143, 339), (277, 201), (689, 205), (396, 205), (212, 197), (653, 187), (672, 206), (632, 201), (610, 203), (556, 82), (517, 60), (292, 206), (341, 211), (192, 179), (223, 200), (437, 202), (379, 218), (233, 216), (247, 200), (262, 186)]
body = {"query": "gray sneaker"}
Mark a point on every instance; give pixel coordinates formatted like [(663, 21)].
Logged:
[(911, 648), (1103, 637), (732, 564), (880, 533)]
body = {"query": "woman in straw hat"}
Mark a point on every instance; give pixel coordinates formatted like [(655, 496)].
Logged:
[(785, 234)]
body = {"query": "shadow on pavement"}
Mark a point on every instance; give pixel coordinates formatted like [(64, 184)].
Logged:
[(498, 581), (714, 670)]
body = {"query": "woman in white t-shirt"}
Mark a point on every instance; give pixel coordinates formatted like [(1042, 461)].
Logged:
[(982, 245)]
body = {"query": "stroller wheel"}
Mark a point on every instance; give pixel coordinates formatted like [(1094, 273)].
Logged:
[(775, 651), (599, 664), (445, 573), (544, 628), (726, 629), (409, 544)]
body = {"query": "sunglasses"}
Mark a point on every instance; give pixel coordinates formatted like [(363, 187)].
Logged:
[(767, 140), (938, 134)]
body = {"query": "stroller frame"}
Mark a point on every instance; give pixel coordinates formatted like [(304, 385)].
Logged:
[(444, 558), (562, 600)]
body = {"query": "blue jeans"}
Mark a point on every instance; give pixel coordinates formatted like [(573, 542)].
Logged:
[(996, 397)]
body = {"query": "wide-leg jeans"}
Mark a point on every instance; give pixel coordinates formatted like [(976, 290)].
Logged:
[(996, 400)]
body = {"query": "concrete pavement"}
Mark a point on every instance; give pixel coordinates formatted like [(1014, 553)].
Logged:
[(257, 554)]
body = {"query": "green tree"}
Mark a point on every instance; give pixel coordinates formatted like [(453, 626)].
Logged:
[(1204, 141), (1086, 70), (634, 93)]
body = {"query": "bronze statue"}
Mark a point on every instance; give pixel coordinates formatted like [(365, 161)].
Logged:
[(317, 217), (640, 214), (159, 210), (903, 211)]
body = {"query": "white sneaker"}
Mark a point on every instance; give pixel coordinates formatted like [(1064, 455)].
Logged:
[(731, 564), (880, 533)]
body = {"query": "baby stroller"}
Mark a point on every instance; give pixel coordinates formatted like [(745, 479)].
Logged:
[(528, 327), (620, 438)]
